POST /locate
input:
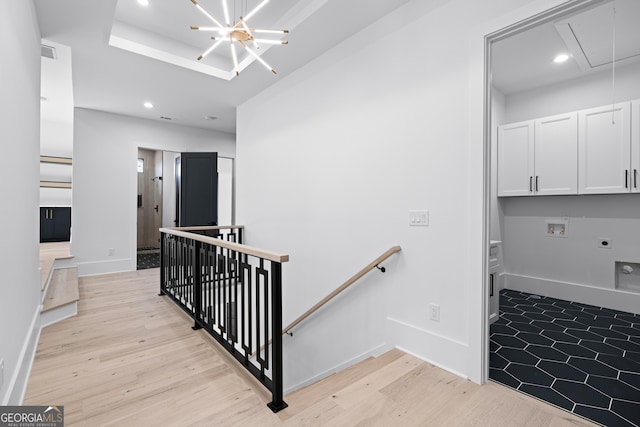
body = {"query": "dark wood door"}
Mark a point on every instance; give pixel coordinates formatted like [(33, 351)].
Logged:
[(198, 195)]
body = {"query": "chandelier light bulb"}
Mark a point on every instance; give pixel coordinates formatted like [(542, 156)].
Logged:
[(226, 12), (240, 33)]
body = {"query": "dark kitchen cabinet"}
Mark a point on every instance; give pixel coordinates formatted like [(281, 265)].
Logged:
[(55, 224)]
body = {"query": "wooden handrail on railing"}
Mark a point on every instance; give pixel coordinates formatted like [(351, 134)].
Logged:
[(260, 253), (207, 227), (344, 286)]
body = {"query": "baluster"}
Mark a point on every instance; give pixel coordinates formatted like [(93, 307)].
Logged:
[(196, 302), (277, 403)]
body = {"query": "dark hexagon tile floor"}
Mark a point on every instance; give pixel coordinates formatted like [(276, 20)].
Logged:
[(578, 357)]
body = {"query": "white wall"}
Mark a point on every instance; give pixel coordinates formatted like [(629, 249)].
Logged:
[(19, 175), (330, 160), (56, 123), (225, 191), (585, 92), (56, 139), (577, 259), (105, 181)]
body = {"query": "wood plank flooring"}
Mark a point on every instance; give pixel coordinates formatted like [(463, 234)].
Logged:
[(49, 252), (62, 290), (131, 358)]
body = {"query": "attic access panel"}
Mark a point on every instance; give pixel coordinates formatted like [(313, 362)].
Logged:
[(589, 35)]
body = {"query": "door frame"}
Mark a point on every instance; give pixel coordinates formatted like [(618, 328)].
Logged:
[(535, 19), (157, 181)]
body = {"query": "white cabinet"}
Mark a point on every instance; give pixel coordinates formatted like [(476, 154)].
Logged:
[(635, 146), (604, 145), (515, 159), (556, 155), (538, 157)]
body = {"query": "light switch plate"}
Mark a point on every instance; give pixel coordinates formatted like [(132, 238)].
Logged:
[(434, 312), (419, 218)]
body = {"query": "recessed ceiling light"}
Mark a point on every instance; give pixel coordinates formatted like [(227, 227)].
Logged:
[(143, 2), (148, 105), (561, 58)]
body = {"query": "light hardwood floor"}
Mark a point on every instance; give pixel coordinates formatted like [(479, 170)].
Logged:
[(131, 358), (49, 252)]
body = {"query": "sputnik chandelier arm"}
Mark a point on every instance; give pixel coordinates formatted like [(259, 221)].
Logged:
[(240, 33)]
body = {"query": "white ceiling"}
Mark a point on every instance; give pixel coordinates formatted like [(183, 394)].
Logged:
[(525, 61), (116, 80), (113, 79)]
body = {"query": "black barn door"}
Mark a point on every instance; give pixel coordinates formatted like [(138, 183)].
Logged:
[(198, 192)]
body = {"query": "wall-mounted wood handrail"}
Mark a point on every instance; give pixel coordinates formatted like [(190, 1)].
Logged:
[(58, 160), (55, 184), (344, 286), (260, 253)]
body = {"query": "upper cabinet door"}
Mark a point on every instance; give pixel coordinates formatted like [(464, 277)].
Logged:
[(556, 155), (635, 146), (604, 139), (515, 159)]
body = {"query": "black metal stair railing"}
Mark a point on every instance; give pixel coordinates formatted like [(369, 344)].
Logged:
[(232, 291)]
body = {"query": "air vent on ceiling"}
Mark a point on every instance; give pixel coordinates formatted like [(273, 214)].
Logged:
[(48, 51)]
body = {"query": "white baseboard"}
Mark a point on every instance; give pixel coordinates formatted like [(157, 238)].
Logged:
[(381, 349), (441, 351), (601, 297), (105, 267), (57, 314), (18, 385)]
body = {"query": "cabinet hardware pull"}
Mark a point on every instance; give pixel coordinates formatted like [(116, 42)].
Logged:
[(536, 183), (626, 178), (635, 178), (530, 184)]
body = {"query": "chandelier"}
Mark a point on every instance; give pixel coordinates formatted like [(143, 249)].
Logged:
[(240, 33)]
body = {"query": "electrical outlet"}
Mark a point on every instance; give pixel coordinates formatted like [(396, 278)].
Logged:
[(605, 243), (434, 312), (111, 252)]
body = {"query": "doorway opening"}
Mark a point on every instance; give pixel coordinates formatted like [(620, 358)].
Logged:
[(149, 208), (158, 199), (560, 329)]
